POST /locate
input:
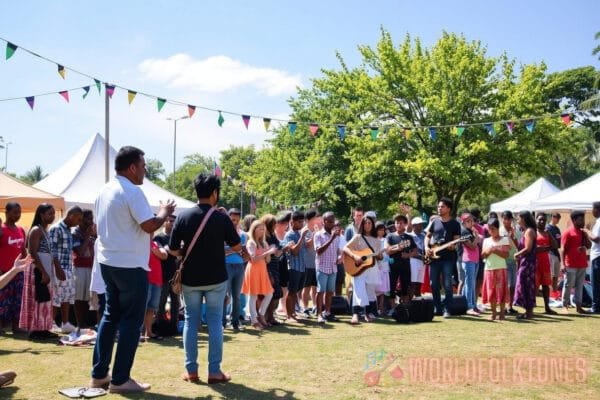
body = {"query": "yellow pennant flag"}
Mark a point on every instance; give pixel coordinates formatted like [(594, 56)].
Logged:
[(131, 95), (61, 71)]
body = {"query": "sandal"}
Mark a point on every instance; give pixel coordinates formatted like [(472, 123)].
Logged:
[(224, 378), (190, 377), (7, 377)]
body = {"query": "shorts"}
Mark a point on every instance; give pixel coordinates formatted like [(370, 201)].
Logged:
[(554, 265), (83, 278), (310, 277), (543, 277), (511, 273), (296, 281), (417, 270), (326, 282), (153, 297), (340, 277), (64, 291)]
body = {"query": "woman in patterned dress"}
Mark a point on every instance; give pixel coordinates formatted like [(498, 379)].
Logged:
[(526, 261)]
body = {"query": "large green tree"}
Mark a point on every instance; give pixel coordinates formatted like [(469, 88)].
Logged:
[(234, 193), (184, 176), (407, 85)]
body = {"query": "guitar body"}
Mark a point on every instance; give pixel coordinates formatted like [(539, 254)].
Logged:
[(368, 261)]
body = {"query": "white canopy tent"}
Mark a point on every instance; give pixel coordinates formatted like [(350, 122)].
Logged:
[(80, 179), (577, 197), (525, 199)]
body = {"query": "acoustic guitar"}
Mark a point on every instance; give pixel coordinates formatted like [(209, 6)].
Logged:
[(427, 259), (367, 257)]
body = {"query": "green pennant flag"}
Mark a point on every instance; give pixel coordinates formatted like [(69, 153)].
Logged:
[(460, 130), (98, 86), (221, 119), (374, 132), (10, 49), (160, 103)]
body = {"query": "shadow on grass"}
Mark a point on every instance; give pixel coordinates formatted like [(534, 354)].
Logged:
[(230, 391), (8, 392)]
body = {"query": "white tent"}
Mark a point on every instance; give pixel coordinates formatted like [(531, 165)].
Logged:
[(577, 197), (80, 179), (525, 199)]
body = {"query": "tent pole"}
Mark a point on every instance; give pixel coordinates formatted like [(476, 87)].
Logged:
[(106, 135)]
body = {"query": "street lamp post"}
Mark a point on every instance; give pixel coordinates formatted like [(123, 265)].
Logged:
[(4, 145), (175, 144)]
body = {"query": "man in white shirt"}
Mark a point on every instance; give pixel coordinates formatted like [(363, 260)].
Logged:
[(594, 236), (125, 220)]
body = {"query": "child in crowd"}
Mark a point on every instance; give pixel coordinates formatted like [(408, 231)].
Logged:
[(495, 283), (383, 289), (154, 288)]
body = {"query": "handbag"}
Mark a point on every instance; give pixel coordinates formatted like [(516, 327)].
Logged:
[(42, 293), (176, 281)]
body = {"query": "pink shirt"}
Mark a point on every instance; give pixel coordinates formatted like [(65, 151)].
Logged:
[(470, 255)]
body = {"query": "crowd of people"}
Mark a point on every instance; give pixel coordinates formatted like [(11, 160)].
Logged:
[(282, 268)]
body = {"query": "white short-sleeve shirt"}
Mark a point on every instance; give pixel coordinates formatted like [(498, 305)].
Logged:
[(595, 250), (120, 209)]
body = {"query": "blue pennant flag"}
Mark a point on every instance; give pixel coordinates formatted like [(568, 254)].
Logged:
[(490, 129), (292, 127), (530, 125), (341, 131), (432, 133)]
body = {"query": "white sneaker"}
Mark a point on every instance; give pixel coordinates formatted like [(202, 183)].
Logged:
[(321, 320), (67, 328)]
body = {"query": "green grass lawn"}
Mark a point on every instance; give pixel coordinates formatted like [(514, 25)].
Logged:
[(309, 362)]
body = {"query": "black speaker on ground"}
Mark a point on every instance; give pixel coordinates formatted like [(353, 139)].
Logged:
[(402, 313), (339, 305), (421, 310), (458, 306)]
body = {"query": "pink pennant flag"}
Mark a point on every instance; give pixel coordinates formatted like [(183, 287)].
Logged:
[(65, 95), (191, 110), (510, 125), (246, 119), (313, 129), (566, 119), (110, 90)]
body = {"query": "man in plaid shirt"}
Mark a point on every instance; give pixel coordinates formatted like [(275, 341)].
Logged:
[(61, 245), (327, 249)]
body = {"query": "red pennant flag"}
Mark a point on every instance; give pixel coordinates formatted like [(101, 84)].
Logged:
[(191, 110), (313, 129), (110, 90), (65, 95), (246, 119), (566, 119)]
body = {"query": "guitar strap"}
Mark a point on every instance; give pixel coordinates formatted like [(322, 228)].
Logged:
[(367, 242)]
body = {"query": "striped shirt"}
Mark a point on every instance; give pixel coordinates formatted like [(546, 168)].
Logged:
[(326, 261), (61, 245)]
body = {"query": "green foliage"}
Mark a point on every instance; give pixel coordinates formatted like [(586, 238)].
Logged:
[(184, 177), (34, 175), (233, 161), (155, 171)]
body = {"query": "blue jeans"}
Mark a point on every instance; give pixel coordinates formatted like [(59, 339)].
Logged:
[(438, 269), (595, 278), (470, 271), (126, 295), (235, 278), (193, 298)]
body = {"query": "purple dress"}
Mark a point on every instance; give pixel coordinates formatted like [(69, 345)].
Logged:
[(525, 287)]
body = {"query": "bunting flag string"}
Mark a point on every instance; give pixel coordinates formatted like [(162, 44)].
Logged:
[(407, 130)]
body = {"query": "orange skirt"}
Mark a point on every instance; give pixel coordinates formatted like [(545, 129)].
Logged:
[(495, 286), (256, 279)]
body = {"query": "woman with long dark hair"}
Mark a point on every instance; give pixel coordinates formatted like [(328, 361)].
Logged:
[(36, 310), (526, 261)]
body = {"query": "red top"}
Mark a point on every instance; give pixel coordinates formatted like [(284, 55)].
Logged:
[(12, 243), (571, 241), (155, 274), (543, 258)]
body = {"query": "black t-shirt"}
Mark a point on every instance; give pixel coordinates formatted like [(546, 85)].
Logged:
[(272, 240), (444, 232), (555, 232), (206, 262), (396, 261), (170, 264)]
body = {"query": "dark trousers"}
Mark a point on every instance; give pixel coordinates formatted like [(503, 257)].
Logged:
[(126, 293), (166, 293), (441, 269), (595, 278)]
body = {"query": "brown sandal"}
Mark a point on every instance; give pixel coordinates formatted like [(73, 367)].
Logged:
[(223, 379), (192, 378)]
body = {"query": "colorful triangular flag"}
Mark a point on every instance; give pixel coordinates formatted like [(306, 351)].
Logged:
[(217, 170), (510, 125), (490, 129), (459, 130), (267, 122), (432, 133), (160, 103), (407, 133), (341, 129), (131, 95), (61, 71), (566, 119), (220, 120), (98, 86), (374, 132), (313, 129), (86, 90), (292, 127), (65, 95), (110, 90), (191, 110), (30, 101), (530, 125), (246, 119), (10, 49)]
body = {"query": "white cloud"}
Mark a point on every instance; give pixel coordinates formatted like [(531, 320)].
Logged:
[(217, 74)]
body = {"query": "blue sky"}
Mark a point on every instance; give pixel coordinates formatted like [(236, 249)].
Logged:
[(240, 56)]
